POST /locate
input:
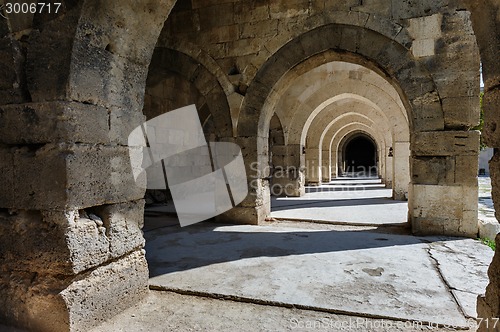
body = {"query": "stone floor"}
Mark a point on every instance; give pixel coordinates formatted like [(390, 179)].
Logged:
[(345, 273), (290, 275), (351, 201)]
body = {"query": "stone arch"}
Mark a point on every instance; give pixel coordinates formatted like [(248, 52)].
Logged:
[(344, 130), (388, 57), (344, 126), (351, 110), (165, 60), (345, 150), (377, 23)]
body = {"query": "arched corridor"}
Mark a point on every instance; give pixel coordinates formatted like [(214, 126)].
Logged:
[(311, 92), (359, 156)]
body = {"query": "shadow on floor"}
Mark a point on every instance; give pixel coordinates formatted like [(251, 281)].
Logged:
[(173, 249)]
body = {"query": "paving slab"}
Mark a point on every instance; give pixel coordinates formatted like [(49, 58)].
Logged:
[(449, 257), (167, 311), (352, 272)]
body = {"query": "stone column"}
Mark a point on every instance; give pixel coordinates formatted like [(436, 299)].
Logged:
[(487, 30), (401, 170), (257, 205), (313, 166), (444, 165), (326, 169), (288, 175), (387, 167), (71, 213)]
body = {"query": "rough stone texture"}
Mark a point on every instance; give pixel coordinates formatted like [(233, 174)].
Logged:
[(66, 176), (446, 143), (41, 123), (436, 210), (56, 303), (70, 242), (488, 306)]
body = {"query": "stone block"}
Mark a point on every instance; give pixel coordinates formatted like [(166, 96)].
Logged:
[(218, 15), (387, 28), (261, 29), (403, 9), (122, 122), (69, 242), (282, 9), (446, 143), (51, 243), (90, 80), (466, 170), (59, 303), (489, 228), (251, 11), (245, 215), (433, 170), (51, 122), (351, 39), (340, 5), (57, 38), (324, 39), (221, 34), (461, 112), (65, 176), (427, 113), (377, 7), (443, 210), (123, 223)]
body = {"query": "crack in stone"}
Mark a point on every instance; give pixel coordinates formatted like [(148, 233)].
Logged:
[(436, 265)]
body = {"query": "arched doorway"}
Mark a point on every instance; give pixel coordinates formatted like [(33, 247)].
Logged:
[(360, 156)]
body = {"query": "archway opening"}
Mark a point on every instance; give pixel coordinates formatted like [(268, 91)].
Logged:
[(360, 156)]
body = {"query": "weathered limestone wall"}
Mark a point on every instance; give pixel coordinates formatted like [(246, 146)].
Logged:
[(486, 25), (71, 90)]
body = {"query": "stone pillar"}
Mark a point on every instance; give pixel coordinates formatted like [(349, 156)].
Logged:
[(401, 171), (70, 224), (334, 163), (444, 169), (326, 171), (387, 168), (257, 205), (71, 214), (313, 167), (288, 175), (486, 25)]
